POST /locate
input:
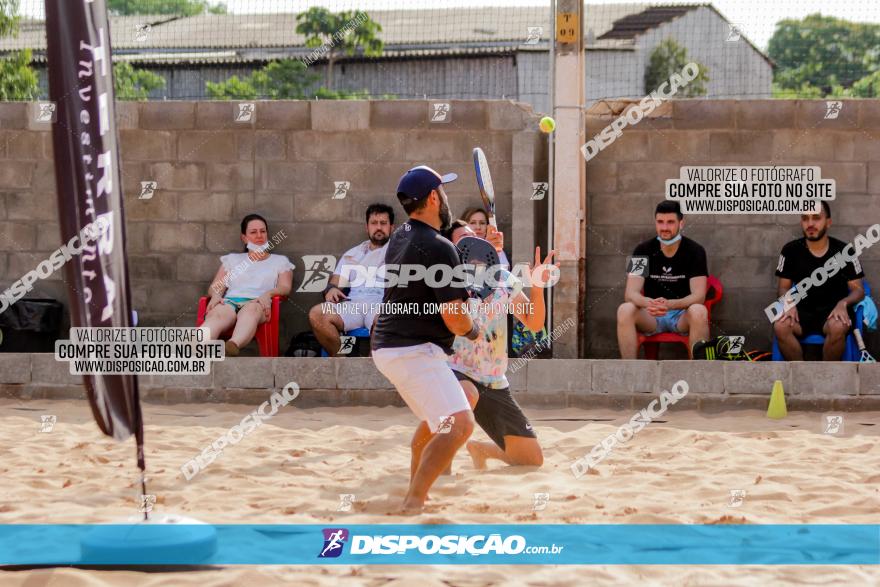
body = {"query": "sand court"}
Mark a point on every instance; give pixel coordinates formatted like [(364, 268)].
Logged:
[(294, 468)]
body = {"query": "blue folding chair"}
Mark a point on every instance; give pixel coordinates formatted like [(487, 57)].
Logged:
[(357, 332), (850, 353)]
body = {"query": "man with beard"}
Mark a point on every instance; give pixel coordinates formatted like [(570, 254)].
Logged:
[(828, 308), (347, 308), (411, 342), (672, 270)]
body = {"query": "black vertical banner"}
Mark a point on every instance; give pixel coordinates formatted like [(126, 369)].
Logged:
[(89, 190)]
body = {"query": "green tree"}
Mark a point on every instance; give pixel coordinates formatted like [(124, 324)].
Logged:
[(130, 83), (337, 33), (9, 18), (823, 52), (285, 79), (288, 79), (867, 87), (18, 81), (233, 88), (806, 91), (669, 57), (178, 7)]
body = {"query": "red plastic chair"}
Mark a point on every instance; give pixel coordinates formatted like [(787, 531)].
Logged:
[(714, 292), (267, 332)]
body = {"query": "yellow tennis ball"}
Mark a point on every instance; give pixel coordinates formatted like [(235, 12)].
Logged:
[(547, 124)]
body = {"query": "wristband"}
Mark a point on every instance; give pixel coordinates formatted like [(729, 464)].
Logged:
[(473, 333)]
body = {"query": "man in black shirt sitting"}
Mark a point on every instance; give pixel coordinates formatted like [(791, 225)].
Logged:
[(673, 272), (822, 308), (411, 339)]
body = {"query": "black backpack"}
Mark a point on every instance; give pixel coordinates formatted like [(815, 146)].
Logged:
[(720, 347), (304, 344)]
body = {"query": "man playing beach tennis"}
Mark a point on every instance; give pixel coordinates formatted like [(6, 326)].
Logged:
[(410, 348), (481, 364)]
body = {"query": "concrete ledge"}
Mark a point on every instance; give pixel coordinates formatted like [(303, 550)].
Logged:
[(305, 372), (702, 377), (46, 370), (15, 368), (824, 379), (246, 372), (359, 373), (754, 377), (715, 386), (559, 375), (869, 379), (625, 376)]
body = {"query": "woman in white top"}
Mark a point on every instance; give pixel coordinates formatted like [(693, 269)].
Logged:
[(242, 291)]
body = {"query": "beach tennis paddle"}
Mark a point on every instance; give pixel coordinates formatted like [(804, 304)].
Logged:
[(864, 356), (476, 251), (484, 182)]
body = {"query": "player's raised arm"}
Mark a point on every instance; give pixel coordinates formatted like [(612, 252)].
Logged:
[(530, 310), (456, 318)]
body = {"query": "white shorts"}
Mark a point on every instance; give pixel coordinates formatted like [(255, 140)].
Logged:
[(424, 381), (355, 314)]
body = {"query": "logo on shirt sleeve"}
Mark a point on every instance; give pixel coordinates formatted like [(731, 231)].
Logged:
[(781, 263)]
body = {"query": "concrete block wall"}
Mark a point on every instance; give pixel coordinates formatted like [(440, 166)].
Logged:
[(626, 181), (212, 170), (581, 383)]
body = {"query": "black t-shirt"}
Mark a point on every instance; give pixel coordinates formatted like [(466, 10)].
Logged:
[(669, 277), (797, 262), (415, 242)]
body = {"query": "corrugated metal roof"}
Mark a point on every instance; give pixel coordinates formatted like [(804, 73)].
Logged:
[(244, 38), (399, 27), (630, 26)]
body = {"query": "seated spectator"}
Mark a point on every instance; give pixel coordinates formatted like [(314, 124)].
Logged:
[(673, 275), (478, 220), (826, 309), (344, 308), (242, 291)]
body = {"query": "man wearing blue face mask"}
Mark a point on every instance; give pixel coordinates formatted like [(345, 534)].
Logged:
[(665, 285)]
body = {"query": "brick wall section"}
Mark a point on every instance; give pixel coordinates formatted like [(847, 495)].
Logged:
[(578, 383), (211, 171), (626, 180)]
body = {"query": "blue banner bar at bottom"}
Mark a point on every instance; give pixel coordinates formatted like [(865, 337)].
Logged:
[(353, 544)]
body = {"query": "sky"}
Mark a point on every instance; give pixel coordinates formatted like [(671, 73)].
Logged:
[(756, 18)]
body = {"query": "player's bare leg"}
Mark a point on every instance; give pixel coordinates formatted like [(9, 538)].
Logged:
[(835, 340), (437, 456), (326, 325), (473, 397), (421, 438), (249, 317), (630, 321), (219, 320), (787, 332), (695, 321), (518, 450)]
